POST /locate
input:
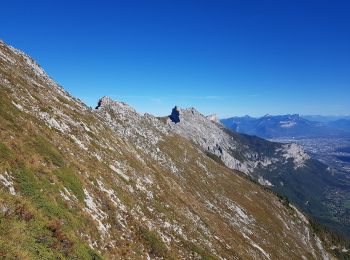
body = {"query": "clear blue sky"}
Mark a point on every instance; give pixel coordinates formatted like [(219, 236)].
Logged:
[(225, 57)]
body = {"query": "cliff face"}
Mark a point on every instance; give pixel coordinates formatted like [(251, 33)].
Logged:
[(110, 183)]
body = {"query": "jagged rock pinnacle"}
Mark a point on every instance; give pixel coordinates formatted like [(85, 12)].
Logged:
[(107, 102), (175, 115), (104, 101)]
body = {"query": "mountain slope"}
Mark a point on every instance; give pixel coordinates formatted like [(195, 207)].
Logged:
[(285, 168), (341, 124), (110, 183), (324, 119)]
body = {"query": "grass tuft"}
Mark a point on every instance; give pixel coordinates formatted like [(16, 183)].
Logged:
[(4, 152), (154, 242), (70, 180), (48, 151)]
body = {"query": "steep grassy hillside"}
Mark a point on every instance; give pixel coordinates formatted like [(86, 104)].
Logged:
[(109, 183)]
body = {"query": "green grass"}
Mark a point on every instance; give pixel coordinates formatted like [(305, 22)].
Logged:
[(25, 233), (38, 191), (7, 110), (154, 242), (203, 254), (71, 181), (65, 101), (48, 151), (214, 157), (38, 226), (4, 152)]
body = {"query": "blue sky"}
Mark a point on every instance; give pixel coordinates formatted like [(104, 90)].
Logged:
[(221, 56)]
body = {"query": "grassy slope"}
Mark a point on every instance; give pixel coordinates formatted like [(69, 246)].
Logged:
[(187, 214)]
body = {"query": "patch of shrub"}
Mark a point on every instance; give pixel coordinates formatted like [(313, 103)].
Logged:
[(204, 255), (24, 213), (154, 242), (331, 238)]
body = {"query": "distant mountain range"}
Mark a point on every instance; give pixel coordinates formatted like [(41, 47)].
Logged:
[(324, 119), (289, 126)]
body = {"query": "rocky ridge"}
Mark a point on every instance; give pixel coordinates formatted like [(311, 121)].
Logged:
[(284, 167), (210, 135)]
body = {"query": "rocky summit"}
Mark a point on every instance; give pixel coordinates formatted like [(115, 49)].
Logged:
[(82, 183)]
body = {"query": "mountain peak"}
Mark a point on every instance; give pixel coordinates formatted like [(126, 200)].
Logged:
[(107, 102), (178, 114), (104, 101), (292, 116)]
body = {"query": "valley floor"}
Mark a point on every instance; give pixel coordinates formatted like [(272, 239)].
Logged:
[(333, 151)]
